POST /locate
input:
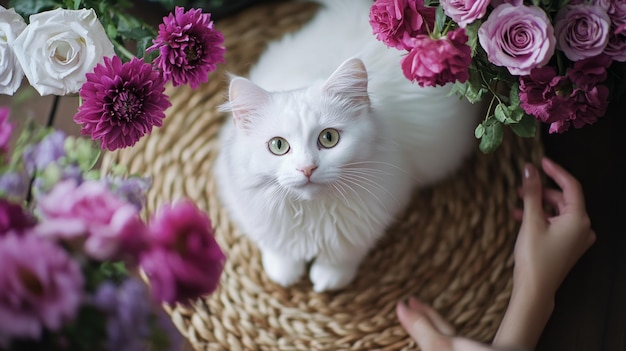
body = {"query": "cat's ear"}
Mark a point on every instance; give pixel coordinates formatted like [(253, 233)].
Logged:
[(245, 101), (349, 81)]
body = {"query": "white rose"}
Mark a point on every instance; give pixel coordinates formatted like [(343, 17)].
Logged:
[(11, 73), (59, 47)]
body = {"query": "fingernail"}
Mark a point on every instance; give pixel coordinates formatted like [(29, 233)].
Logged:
[(529, 171)]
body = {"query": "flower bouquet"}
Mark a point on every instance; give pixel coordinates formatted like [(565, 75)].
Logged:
[(558, 62), (81, 267)]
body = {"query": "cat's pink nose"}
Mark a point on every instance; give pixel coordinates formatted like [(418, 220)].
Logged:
[(308, 170)]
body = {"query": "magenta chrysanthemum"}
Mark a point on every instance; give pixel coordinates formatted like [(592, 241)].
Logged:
[(121, 102), (189, 47)]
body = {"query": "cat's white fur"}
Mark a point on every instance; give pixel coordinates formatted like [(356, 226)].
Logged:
[(394, 136)]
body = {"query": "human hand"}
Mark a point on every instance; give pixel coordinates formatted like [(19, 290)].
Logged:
[(548, 245), (431, 331)]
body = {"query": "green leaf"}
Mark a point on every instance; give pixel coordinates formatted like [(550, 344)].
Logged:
[(492, 137), (111, 30), (440, 20), (472, 32), (27, 8), (526, 126), (514, 95), (501, 113), (479, 131)]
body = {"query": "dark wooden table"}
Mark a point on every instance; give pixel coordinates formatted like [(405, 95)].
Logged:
[(590, 311)]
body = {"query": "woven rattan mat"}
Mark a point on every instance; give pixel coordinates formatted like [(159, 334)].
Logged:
[(452, 248)]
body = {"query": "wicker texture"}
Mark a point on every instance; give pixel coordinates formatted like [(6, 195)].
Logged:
[(452, 247)]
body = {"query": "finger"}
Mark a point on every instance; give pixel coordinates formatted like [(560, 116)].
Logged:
[(572, 190), (442, 325), (554, 198), (421, 329), (532, 194), (518, 214)]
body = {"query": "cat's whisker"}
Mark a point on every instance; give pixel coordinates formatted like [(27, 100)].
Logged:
[(343, 183), (356, 182), (371, 182), (348, 165), (337, 186), (366, 172)]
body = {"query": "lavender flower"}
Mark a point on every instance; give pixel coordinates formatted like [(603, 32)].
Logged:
[(128, 312), (40, 286), (133, 189), (13, 184), (189, 47), (50, 149), (121, 102)]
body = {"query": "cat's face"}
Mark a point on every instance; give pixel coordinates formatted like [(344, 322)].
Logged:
[(308, 141)]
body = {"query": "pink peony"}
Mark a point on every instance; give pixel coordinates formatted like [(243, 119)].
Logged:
[(589, 72), (13, 218), (189, 47), (519, 38), (543, 94), (6, 129), (395, 22), (434, 62), (582, 31), (40, 286), (110, 227), (121, 102), (464, 12), (185, 261)]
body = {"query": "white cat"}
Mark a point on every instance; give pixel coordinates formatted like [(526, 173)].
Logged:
[(328, 144)]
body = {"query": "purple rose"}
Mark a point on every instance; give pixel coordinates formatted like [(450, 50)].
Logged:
[(582, 31), (111, 227), (589, 72), (543, 94), (185, 261), (40, 286), (394, 22), (464, 12), (519, 38), (617, 12), (434, 62), (616, 47)]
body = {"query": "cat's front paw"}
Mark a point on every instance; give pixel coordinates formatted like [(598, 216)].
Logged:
[(326, 276), (282, 270)]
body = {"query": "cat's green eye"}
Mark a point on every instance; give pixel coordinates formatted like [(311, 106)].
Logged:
[(278, 146), (328, 138)]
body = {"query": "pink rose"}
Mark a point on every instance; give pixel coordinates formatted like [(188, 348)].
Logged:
[(519, 38), (396, 21), (110, 227), (434, 62), (40, 286), (464, 12), (582, 31), (184, 261), (496, 3)]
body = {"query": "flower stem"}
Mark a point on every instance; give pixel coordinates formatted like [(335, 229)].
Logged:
[(123, 50), (53, 111)]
